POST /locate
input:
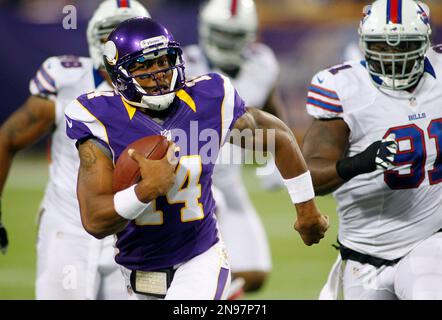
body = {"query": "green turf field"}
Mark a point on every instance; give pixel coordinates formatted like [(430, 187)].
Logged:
[(298, 271)]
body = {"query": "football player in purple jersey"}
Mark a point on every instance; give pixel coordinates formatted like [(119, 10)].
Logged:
[(71, 264), (168, 241)]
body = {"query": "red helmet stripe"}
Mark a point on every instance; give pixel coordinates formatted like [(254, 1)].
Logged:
[(123, 3), (394, 11), (234, 7)]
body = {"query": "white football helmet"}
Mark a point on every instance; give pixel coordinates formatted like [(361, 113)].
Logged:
[(225, 28), (395, 36), (105, 18)]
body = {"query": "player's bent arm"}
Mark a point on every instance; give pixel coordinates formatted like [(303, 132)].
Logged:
[(25, 126), (94, 192), (324, 148), (288, 158), (324, 144), (104, 213)]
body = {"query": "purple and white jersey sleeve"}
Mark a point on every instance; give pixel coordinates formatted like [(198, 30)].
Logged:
[(82, 124), (232, 109)]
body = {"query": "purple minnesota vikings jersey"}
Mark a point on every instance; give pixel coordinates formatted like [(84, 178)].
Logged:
[(180, 225)]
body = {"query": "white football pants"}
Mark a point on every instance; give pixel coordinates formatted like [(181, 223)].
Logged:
[(73, 265), (416, 276), (204, 277)]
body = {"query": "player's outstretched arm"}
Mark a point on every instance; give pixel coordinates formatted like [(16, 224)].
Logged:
[(324, 148), (102, 212), (24, 127), (311, 224)]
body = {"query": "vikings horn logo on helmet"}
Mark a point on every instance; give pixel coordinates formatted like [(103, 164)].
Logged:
[(111, 53)]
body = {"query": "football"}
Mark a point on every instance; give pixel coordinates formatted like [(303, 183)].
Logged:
[(127, 171)]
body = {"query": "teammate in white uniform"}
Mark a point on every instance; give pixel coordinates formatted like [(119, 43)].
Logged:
[(71, 264), (227, 45), (376, 141)]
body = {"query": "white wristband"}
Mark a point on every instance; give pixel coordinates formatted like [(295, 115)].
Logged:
[(127, 204), (300, 188)]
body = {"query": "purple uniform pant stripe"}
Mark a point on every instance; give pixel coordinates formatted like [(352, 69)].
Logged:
[(222, 280)]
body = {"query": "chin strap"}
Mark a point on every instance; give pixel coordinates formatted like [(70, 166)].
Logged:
[(156, 103)]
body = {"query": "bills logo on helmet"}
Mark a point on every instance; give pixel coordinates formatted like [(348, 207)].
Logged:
[(366, 13), (423, 15)]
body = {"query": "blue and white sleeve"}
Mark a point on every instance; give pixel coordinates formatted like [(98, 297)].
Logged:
[(323, 100)]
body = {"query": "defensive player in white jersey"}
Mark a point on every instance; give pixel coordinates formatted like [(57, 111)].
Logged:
[(227, 32), (375, 142), (71, 264)]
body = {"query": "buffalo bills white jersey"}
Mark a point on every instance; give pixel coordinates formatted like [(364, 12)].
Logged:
[(255, 80), (62, 79), (386, 214)]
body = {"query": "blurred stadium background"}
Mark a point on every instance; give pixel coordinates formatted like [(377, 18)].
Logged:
[(306, 35)]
